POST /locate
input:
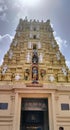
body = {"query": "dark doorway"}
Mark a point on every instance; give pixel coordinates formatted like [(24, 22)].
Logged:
[(34, 36), (34, 114)]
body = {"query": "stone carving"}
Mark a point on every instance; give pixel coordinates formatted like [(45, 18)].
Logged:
[(20, 25), (38, 35), (51, 78), (31, 105), (4, 69), (42, 73), (26, 74), (35, 74), (29, 45), (50, 35), (17, 77), (25, 52), (21, 28), (40, 58), (15, 43), (53, 44), (10, 54), (35, 57), (37, 28), (18, 34), (31, 36), (31, 28), (28, 57), (64, 71), (39, 45), (58, 55)]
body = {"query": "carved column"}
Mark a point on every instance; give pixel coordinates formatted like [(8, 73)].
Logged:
[(15, 112), (53, 111)]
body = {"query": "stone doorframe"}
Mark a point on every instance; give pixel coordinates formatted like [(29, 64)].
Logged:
[(42, 94)]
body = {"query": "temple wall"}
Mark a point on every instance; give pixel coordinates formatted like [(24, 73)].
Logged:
[(57, 117)]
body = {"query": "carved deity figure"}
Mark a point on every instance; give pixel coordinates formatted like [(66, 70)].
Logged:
[(28, 57), (35, 73), (4, 69), (10, 54), (39, 45), (42, 73), (35, 57), (26, 74), (40, 58), (29, 45), (58, 55)]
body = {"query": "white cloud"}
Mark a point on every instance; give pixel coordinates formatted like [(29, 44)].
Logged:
[(51, 25), (5, 42), (37, 9), (61, 42), (26, 3), (6, 36), (68, 64), (63, 45)]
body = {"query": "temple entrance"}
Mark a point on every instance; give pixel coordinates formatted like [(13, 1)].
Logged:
[(34, 114)]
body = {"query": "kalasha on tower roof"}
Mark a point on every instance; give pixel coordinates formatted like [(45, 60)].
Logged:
[(34, 56)]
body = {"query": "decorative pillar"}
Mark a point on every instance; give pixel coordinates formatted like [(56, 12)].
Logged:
[(15, 113), (12, 104), (53, 111), (50, 113), (19, 113)]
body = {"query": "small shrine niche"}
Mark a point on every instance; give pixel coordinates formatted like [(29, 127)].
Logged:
[(34, 37), (34, 47), (35, 58), (35, 74), (34, 28), (5, 68), (35, 64)]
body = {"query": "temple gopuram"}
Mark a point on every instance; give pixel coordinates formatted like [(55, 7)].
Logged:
[(34, 81)]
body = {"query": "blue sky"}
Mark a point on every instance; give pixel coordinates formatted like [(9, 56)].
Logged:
[(58, 11)]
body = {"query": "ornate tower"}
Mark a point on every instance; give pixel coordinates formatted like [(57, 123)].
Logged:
[(34, 55), (35, 81)]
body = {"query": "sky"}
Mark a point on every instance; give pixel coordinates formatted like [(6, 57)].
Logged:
[(58, 11)]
